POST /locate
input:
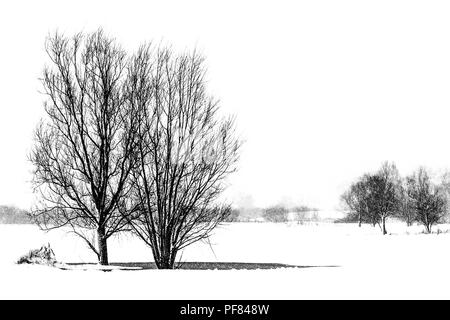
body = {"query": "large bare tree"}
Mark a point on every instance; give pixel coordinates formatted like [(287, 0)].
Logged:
[(186, 151), (85, 147)]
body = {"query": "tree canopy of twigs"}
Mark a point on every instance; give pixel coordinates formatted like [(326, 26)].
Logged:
[(186, 151), (85, 147)]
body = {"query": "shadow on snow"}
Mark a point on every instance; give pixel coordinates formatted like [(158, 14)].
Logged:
[(136, 266)]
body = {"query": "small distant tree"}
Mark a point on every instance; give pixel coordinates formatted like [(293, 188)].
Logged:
[(301, 216), (375, 197), (426, 198), (315, 216), (302, 212), (444, 186), (406, 211), (384, 193), (357, 201), (276, 214)]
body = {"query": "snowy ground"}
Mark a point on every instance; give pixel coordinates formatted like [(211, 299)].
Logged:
[(346, 262)]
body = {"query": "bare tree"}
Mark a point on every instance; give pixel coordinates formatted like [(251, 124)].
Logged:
[(444, 186), (186, 151), (426, 198), (86, 147), (384, 190), (357, 200), (375, 197)]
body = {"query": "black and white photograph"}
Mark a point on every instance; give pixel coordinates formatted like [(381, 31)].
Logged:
[(225, 151)]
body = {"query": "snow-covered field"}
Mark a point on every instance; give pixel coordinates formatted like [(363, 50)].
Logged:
[(345, 262)]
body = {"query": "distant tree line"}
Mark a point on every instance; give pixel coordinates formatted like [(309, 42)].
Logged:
[(14, 215), (374, 197), (276, 213)]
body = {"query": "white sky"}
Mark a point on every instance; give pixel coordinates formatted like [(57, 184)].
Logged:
[(323, 90)]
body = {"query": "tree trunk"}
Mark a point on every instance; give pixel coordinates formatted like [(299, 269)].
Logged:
[(360, 220), (427, 224), (164, 259), (383, 221), (164, 263), (102, 247), (167, 259)]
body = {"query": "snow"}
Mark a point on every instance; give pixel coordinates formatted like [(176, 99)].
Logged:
[(345, 262)]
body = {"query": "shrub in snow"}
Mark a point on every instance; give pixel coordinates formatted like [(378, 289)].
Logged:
[(44, 256)]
